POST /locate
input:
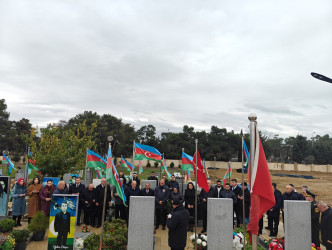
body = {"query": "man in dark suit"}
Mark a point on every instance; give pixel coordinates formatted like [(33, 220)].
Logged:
[(77, 188), (218, 189), (100, 191), (62, 225), (153, 177), (177, 224), (203, 197), (135, 178), (326, 224), (88, 199), (161, 194), (147, 191), (237, 191), (273, 214), (310, 196)]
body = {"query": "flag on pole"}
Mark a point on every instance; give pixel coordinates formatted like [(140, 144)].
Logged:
[(145, 152), (206, 171), (245, 154), (9, 163), (188, 175), (164, 168), (126, 164), (112, 176), (32, 166), (187, 162), (140, 167), (228, 175), (95, 161), (201, 177), (262, 196)]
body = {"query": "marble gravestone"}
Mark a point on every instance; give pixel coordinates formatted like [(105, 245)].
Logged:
[(66, 178), (153, 183), (220, 223), (141, 222), (297, 225)]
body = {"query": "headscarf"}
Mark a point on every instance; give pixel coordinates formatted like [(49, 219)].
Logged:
[(19, 180)]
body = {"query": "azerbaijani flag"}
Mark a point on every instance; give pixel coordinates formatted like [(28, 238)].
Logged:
[(145, 152), (187, 162), (126, 164), (228, 175), (32, 166), (245, 154), (112, 176), (140, 167), (10, 164), (95, 161), (164, 167)]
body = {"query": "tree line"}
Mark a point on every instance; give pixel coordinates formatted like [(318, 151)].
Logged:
[(64, 143)]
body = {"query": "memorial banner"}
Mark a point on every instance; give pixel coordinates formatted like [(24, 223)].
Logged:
[(4, 194), (61, 234), (54, 179)]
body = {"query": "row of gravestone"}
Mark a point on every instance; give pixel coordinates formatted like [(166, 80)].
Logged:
[(219, 224)]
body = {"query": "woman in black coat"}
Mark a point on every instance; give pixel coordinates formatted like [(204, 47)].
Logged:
[(189, 199)]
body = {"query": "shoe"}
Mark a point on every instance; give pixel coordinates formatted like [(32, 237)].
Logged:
[(98, 226), (273, 235), (19, 224), (267, 228), (203, 231), (164, 228), (156, 227), (78, 224)]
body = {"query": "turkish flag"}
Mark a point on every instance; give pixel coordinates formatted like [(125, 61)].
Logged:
[(262, 196), (201, 177)]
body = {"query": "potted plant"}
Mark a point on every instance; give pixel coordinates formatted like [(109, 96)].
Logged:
[(92, 241), (6, 225), (21, 239), (38, 226)]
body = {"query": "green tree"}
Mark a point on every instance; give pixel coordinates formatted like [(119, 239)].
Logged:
[(60, 151), (4, 126)]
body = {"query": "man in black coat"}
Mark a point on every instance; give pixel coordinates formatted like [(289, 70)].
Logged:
[(310, 196), (218, 189), (246, 199), (237, 191), (100, 191), (203, 197), (147, 191), (153, 177), (273, 214), (177, 224), (172, 183), (133, 190), (77, 188), (135, 178), (62, 225), (88, 199), (288, 195), (161, 194), (326, 224)]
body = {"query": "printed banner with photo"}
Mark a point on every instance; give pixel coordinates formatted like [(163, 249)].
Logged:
[(4, 194), (54, 179), (61, 234)]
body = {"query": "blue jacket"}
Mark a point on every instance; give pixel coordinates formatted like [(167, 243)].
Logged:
[(19, 203), (178, 224), (161, 194)]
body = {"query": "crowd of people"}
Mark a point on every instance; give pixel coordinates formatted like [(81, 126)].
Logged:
[(91, 200)]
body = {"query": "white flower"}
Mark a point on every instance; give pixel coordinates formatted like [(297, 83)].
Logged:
[(199, 241), (192, 237), (204, 244)]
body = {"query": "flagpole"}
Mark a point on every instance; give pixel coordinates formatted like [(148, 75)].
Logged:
[(215, 170), (252, 118), (27, 166), (182, 171), (109, 138), (196, 142), (132, 169), (243, 203), (86, 165), (229, 174)]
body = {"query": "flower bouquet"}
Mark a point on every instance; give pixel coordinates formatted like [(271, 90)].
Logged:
[(277, 244), (237, 241), (201, 241), (7, 241)]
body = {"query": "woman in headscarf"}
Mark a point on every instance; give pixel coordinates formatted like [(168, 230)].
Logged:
[(19, 204), (45, 195), (189, 199), (34, 199)]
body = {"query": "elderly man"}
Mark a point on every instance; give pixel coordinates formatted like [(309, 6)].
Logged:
[(309, 196), (326, 224), (100, 191), (88, 199), (147, 191), (133, 190), (61, 189), (161, 194), (288, 195), (77, 188), (177, 224), (203, 196)]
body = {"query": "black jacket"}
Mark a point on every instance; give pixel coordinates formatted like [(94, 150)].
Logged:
[(275, 213), (177, 225), (138, 182), (90, 197), (117, 199), (204, 195), (153, 178), (290, 196), (172, 184), (132, 192), (150, 193), (74, 190), (229, 194), (246, 204), (237, 190), (62, 223), (216, 191), (326, 226), (100, 194), (161, 194), (189, 197), (177, 195)]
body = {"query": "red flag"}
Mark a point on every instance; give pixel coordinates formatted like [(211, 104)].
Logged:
[(201, 177), (262, 196)]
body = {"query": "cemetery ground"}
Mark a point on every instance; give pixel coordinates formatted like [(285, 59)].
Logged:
[(321, 185)]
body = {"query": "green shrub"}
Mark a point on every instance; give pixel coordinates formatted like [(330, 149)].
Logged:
[(38, 223), (171, 165), (20, 235), (92, 242), (7, 225), (156, 164), (115, 234), (148, 165)]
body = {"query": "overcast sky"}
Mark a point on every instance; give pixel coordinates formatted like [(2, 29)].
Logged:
[(170, 63)]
